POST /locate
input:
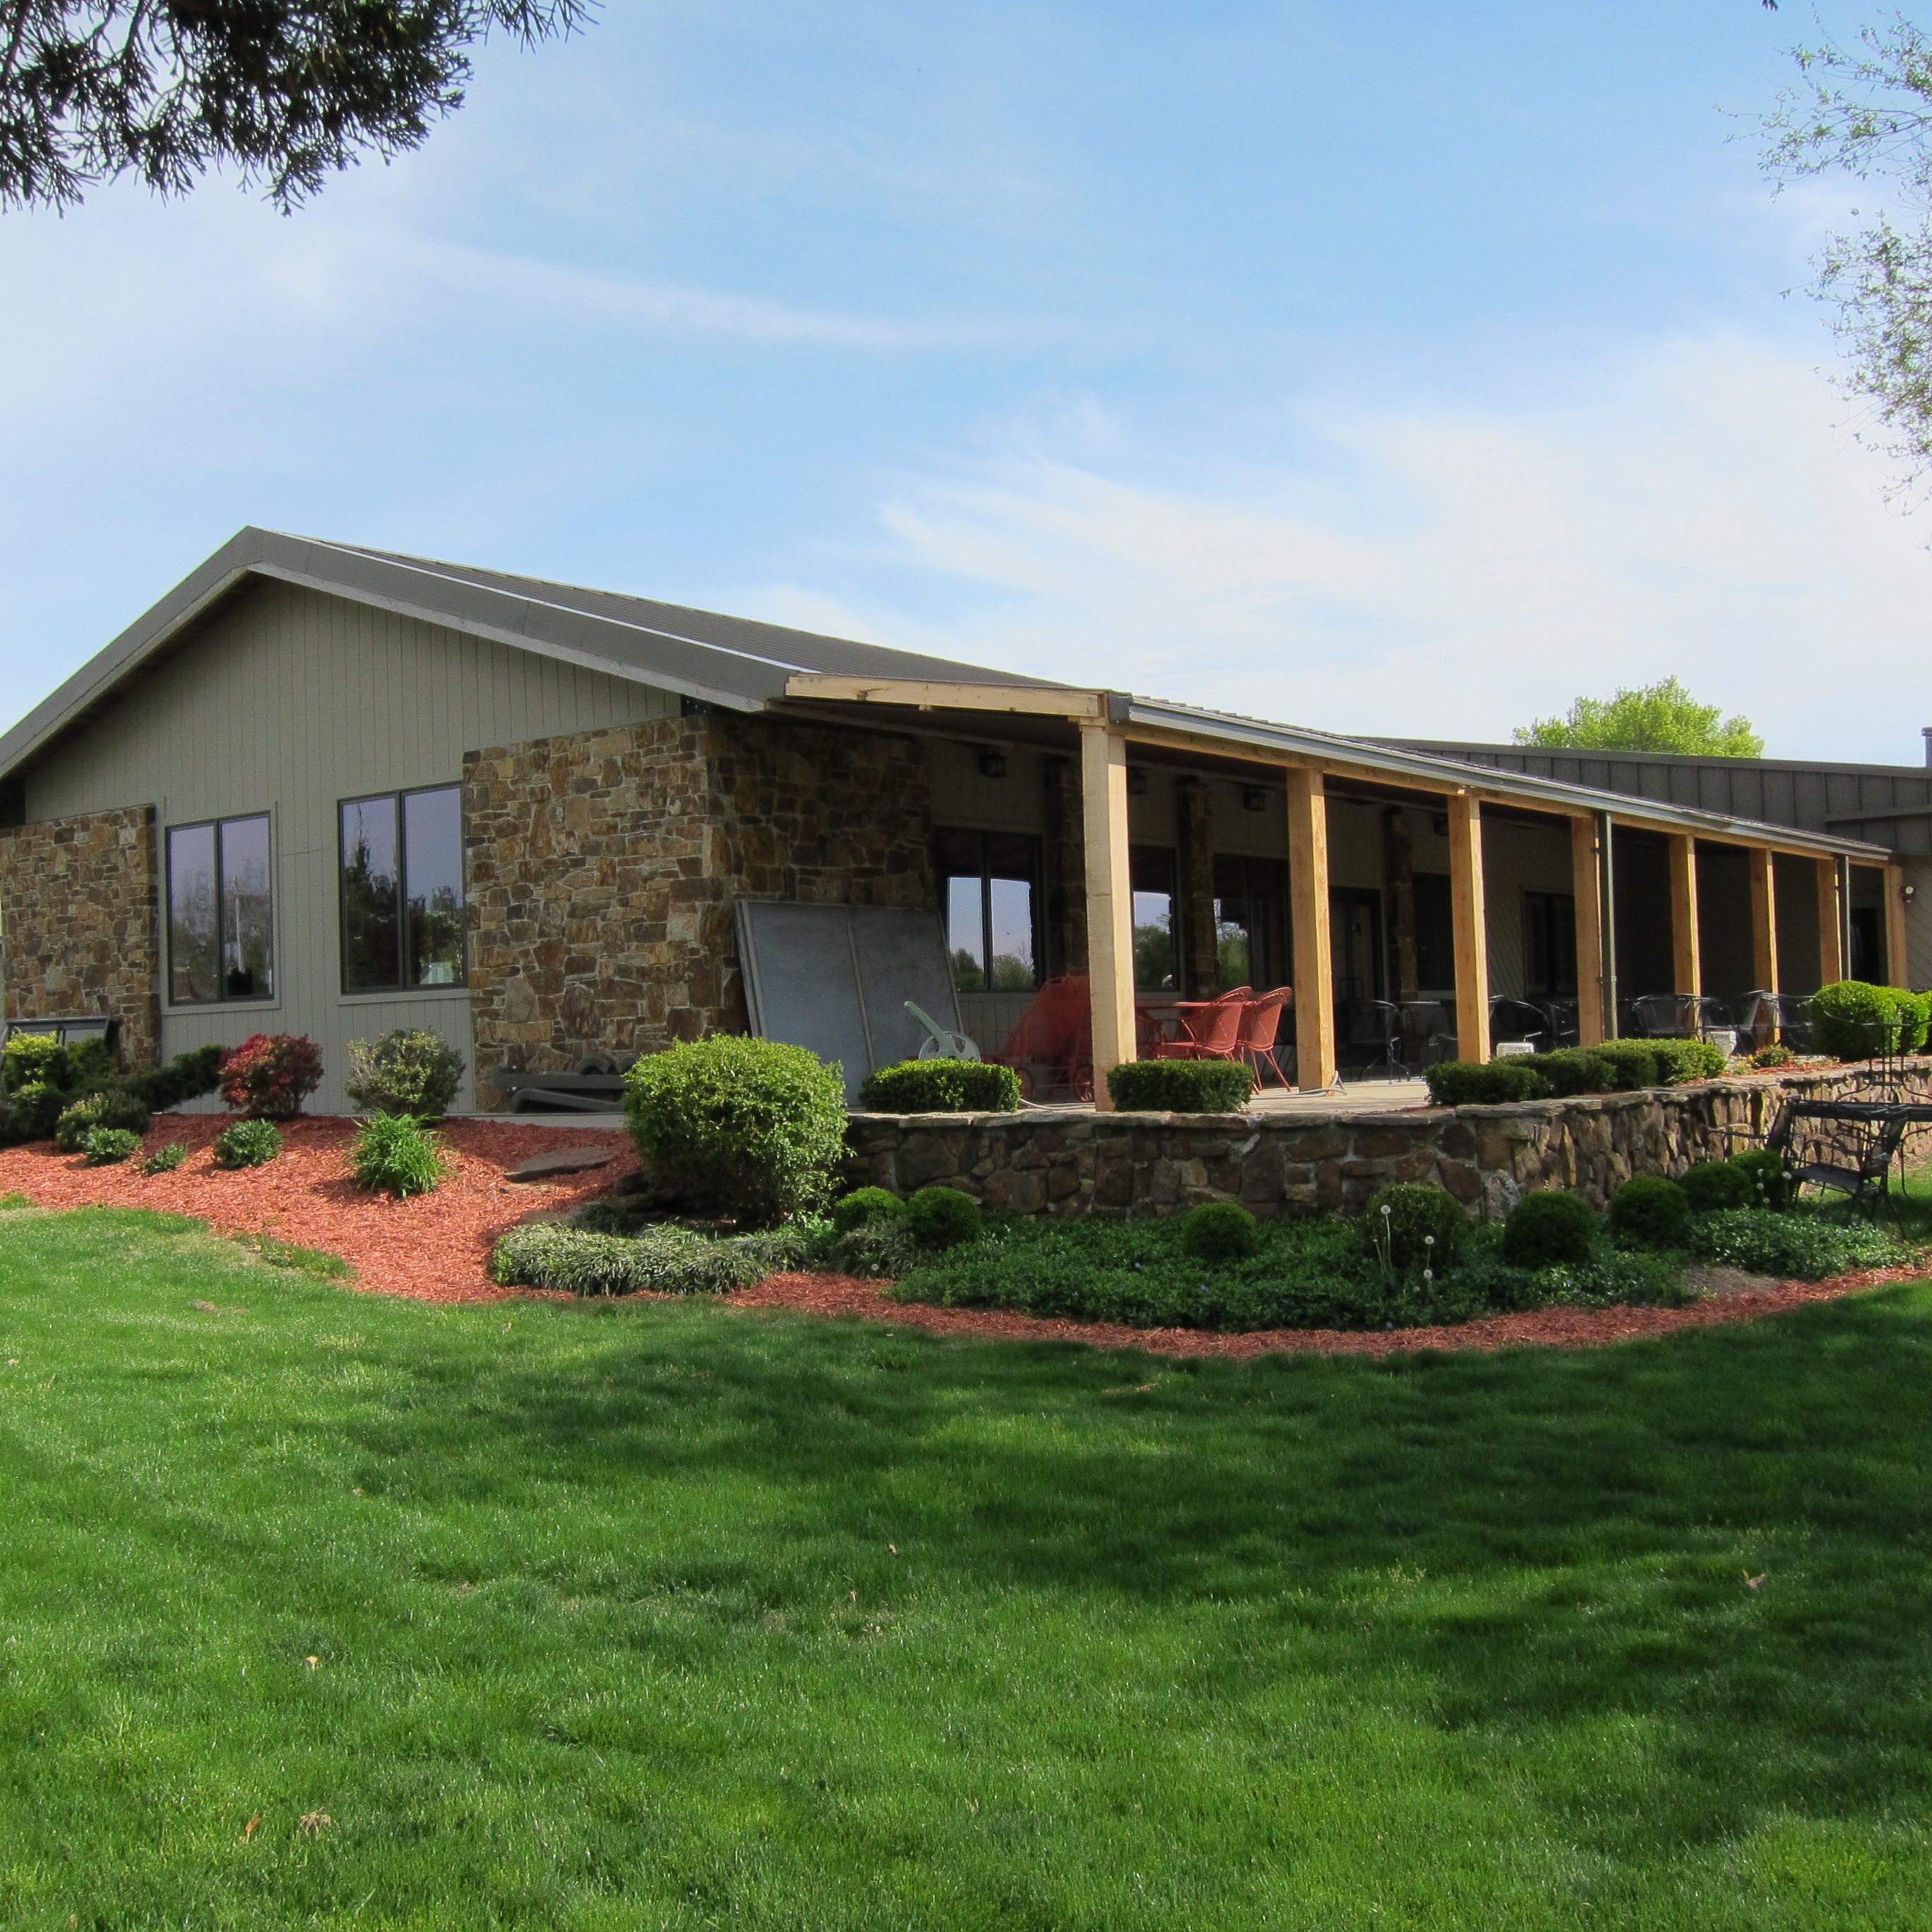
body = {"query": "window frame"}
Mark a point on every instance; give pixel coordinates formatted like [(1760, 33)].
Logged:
[(1037, 895), (398, 988), (214, 822), (1544, 930)]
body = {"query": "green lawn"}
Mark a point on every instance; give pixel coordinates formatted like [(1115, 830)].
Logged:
[(610, 1632)]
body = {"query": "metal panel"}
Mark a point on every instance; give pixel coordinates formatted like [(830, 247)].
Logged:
[(836, 978)]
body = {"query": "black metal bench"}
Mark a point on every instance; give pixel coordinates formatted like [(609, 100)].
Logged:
[(1855, 1159), (596, 1086)]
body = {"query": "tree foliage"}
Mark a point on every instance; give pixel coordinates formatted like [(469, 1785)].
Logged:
[(1661, 717), (1866, 110), (285, 91)]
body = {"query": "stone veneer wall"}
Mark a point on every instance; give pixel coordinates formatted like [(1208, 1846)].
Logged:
[(1061, 1162), (601, 869), (81, 933)]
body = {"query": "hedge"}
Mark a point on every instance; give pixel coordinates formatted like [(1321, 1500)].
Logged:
[(1474, 1083), (942, 1087), (1181, 1086)]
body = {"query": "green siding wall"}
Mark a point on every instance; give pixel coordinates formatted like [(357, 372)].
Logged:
[(290, 701)]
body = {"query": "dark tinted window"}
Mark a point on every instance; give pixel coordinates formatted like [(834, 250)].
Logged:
[(989, 885), (402, 890), (1434, 934), (220, 911)]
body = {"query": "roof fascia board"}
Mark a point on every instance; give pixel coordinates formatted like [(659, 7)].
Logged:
[(1450, 747), (932, 695)]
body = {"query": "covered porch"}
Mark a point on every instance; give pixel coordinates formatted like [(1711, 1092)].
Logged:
[(1418, 906)]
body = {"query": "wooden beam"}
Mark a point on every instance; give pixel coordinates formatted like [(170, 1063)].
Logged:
[(1686, 965), (1308, 904), (1471, 926), (1831, 930), (1043, 701), (1110, 902), (1897, 951), (1761, 870), (1586, 886)]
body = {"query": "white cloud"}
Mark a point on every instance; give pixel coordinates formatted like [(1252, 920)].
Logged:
[(1452, 574)]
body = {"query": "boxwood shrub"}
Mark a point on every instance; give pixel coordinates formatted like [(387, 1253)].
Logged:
[(1573, 1069), (1648, 1211), (1552, 1229), (1632, 1064), (1853, 1020), (863, 1204), (1401, 1222), (1219, 1230), (1712, 1186), (1474, 1083), (1680, 1060), (943, 1217), (1181, 1086), (942, 1087)]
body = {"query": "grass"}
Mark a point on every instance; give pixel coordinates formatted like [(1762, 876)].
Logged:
[(666, 1615)]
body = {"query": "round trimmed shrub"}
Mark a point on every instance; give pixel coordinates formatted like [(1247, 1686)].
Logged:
[(247, 1144), (865, 1205), (1712, 1186), (1648, 1211), (112, 1107), (1853, 1020), (753, 1129), (943, 1217), (1409, 1216), (107, 1146), (1554, 1229), (412, 1070), (942, 1087), (1218, 1231), (1770, 1187), (270, 1075)]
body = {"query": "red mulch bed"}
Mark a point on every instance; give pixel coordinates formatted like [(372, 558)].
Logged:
[(433, 1246), (1541, 1328)]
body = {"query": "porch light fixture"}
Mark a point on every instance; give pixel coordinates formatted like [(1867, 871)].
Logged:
[(1253, 798), (992, 764), (1908, 893)]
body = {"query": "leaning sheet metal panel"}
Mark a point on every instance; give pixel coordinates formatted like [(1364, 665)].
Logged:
[(836, 979)]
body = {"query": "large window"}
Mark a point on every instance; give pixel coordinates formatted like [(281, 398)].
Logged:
[(1248, 896), (990, 880), (1156, 963), (1434, 934), (1549, 943), (402, 891), (221, 912)]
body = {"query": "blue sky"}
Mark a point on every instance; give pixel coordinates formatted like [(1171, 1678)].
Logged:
[(1378, 366)]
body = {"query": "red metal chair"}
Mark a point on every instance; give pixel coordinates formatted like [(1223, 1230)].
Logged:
[(1052, 1044), (1212, 1027), (1260, 1027)]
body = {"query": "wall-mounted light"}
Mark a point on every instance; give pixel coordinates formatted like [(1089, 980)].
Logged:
[(1253, 798), (992, 764), (1908, 893), (1137, 783)]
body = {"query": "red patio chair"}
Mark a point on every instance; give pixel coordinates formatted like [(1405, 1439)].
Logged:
[(1260, 1027), (1212, 1028)]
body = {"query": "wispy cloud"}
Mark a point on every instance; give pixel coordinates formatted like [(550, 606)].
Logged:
[(1694, 513)]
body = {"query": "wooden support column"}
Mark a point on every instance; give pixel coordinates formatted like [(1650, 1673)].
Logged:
[(1831, 925), (1586, 886), (1687, 967), (1110, 902), (1898, 966), (1308, 904), (1761, 869), (1470, 924)]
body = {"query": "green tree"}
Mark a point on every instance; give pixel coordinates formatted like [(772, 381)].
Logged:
[(1657, 718), (285, 92), (1866, 111)]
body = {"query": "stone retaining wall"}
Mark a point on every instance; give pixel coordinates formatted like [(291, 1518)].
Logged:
[(1061, 1162)]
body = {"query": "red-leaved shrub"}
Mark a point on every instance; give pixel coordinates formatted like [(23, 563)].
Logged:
[(269, 1075)]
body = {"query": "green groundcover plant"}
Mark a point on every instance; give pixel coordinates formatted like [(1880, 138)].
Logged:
[(663, 1260), (247, 1144), (394, 1154)]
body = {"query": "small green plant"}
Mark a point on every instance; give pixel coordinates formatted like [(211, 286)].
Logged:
[(1771, 1185), (1552, 1229), (1774, 1055), (943, 1217), (1681, 1061), (942, 1087), (166, 1158), (1411, 1227), (413, 1070), (270, 1075), (106, 1147), (1180, 1086), (111, 1107), (864, 1204), (247, 1144), (396, 1154), (1711, 1186), (1648, 1211), (753, 1129), (1474, 1083), (1218, 1231)]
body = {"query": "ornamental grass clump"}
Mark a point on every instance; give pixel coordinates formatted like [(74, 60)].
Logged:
[(412, 1070), (247, 1144), (396, 1154), (270, 1075), (753, 1129)]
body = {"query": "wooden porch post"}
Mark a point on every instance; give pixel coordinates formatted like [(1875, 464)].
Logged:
[(1761, 870), (1308, 904), (1897, 966), (1831, 928), (1470, 921), (1110, 902), (1687, 968), (1586, 886)]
